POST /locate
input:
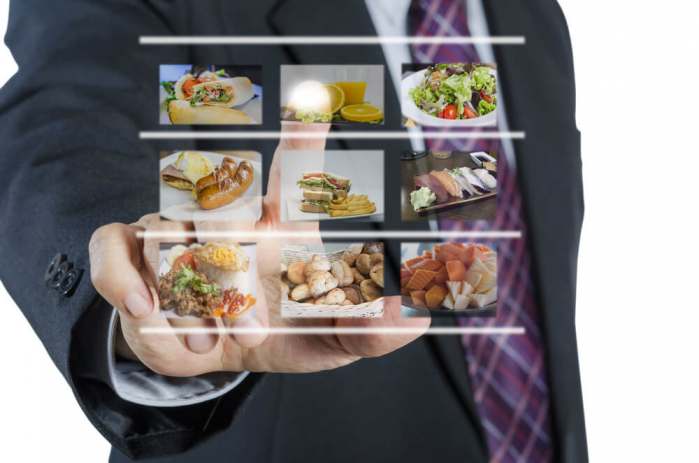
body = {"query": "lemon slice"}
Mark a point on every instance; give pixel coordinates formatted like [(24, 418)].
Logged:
[(361, 113), (337, 97)]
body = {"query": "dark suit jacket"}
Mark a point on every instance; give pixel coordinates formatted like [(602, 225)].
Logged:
[(72, 161)]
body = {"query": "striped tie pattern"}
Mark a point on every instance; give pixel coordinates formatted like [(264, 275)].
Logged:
[(508, 373)]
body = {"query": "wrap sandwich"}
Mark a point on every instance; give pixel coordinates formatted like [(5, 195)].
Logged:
[(226, 93), (182, 112)]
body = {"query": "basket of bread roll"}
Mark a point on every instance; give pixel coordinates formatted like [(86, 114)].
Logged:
[(336, 281)]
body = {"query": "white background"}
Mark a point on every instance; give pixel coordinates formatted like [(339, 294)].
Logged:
[(637, 313)]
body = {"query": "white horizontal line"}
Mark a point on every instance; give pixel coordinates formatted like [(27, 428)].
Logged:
[(327, 40), (369, 234), (374, 135), (334, 330)]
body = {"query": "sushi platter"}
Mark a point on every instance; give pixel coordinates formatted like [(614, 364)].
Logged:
[(432, 185)]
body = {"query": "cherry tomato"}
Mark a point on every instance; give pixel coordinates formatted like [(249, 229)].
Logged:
[(449, 112), (469, 113), (186, 259), (187, 87)]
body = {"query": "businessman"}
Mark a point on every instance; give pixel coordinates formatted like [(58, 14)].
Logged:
[(75, 175)]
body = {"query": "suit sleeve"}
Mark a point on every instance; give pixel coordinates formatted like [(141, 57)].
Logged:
[(72, 161)]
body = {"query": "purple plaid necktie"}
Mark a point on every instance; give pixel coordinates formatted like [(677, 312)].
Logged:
[(508, 373)]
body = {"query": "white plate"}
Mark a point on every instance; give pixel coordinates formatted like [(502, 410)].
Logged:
[(178, 205), (363, 167), (411, 111), (252, 108), (250, 251), (294, 213)]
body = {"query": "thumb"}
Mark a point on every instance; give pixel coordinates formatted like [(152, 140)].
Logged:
[(116, 269)]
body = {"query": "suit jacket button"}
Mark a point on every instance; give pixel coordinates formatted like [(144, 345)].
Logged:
[(51, 270), (70, 281), (60, 273)]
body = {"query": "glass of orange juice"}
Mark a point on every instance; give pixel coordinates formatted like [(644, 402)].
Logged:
[(354, 91)]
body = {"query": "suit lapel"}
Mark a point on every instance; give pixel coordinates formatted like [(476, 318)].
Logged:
[(449, 354)]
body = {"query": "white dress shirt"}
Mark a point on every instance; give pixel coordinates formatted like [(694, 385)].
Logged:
[(133, 381)]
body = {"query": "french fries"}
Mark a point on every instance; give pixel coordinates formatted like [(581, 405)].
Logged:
[(351, 205)]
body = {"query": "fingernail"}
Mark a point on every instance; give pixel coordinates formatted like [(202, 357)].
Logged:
[(201, 343), (137, 305)]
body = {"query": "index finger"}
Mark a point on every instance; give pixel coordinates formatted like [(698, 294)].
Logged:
[(314, 139)]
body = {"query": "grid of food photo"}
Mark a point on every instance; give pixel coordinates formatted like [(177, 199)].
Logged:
[(210, 94), (340, 94), (455, 185), (449, 278), (457, 95), (332, 280), (220, 188)]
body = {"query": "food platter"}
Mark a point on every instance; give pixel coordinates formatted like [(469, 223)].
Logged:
[(427, 191), (317, 194), (412, 112), (450, 278), (245, 283), (179, 205), (361, 306), (336, 94)]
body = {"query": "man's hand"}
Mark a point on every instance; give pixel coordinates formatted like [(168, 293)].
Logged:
[(123, 271)]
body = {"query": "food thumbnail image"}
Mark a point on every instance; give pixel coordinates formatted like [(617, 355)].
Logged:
[(210, 94), (350, 94), (211, 280), (210, 186), (449, 95), (333, 280), (452, 277), (456, 185), (332, 185)]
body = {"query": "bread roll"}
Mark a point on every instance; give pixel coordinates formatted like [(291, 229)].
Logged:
[(370, 290), (295, 272), (317, 264), (301, 292), (364, 264), (321, 282), (376, 274), (353, 294), (342, 271), (335, 297), (358, 277)]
